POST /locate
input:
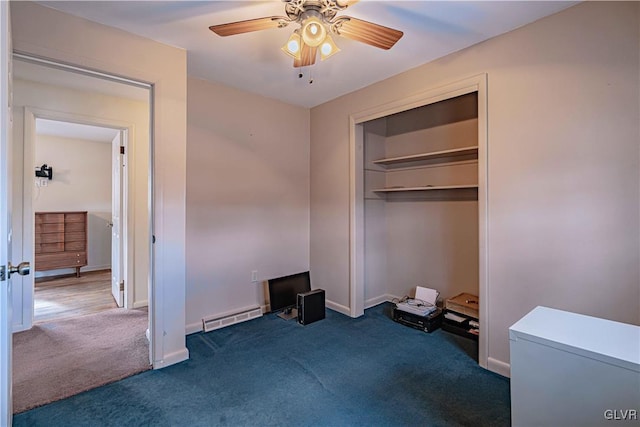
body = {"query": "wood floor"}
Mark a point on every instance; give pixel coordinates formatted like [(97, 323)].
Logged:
[(70, 296)]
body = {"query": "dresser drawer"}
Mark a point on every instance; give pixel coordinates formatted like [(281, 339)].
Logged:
[(52, 227), (60, 260), (75, 237), (44, 218), (50, 247), (75, 246), (75, 217), (49, 238), (74, 227)]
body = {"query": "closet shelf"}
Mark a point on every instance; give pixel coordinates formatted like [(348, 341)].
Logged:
[(445, 154), (439, 187)]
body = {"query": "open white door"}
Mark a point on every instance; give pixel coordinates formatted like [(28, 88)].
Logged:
[(117, 162), (5, 224), (6, 269)]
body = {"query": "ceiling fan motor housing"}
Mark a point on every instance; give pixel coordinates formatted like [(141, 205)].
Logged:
[(313, 30), (325, 10)]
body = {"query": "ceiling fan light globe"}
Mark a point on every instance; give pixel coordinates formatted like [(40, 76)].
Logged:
[(313, 32), (292, 47), (328, 48)]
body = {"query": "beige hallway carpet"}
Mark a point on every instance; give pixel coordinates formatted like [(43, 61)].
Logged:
[(58, 359)]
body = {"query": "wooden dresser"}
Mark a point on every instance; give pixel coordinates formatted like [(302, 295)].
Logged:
[(60, 240)]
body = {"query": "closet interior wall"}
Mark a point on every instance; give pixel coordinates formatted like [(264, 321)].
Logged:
[(421, 200)]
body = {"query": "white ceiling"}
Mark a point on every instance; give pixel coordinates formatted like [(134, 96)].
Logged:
[(75, 131), (254, 61)]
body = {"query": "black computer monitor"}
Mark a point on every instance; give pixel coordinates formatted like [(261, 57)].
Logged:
[(283, 293)]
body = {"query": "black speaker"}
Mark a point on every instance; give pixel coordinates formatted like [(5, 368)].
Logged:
[(311, 306)]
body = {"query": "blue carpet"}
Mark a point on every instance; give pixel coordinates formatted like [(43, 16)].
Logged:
[(340, 371)]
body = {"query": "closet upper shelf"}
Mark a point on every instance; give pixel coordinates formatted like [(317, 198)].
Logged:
[(431, 188), (444, 156)]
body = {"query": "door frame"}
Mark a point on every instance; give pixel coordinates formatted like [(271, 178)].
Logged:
[(477, 84), (31, 114), (161, 334)]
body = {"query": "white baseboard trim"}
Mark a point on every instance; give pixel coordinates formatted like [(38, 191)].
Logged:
[(499, 367), (66, 271), (20, 328), (96, 267), (379, 300), (375, 301), (338, 307), (140, 304), (172, 359), (193, 328), (367, 304)]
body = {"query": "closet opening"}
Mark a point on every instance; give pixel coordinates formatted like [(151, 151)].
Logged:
[(418, 214)]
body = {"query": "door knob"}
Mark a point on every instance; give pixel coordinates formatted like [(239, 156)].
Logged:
[(22, 269)]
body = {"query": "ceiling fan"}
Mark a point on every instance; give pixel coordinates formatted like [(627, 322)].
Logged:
[(318, 20)]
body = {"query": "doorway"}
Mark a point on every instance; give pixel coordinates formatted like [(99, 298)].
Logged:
[(81, 176), (43, 94), (50, 95)]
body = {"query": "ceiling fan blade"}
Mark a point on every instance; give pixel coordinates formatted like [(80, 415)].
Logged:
[(307, 56), (239, 27), (367, 32)]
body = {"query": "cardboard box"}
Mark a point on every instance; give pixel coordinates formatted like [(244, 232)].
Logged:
[(466, 304)]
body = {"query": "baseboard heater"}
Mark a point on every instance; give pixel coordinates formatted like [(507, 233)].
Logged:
[(213, 323)]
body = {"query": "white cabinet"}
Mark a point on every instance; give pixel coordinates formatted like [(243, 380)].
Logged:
[(569, 369)]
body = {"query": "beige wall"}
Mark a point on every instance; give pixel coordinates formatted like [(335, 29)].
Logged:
[(41, 31), (247, 197), (81, 172), (563, 166)]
